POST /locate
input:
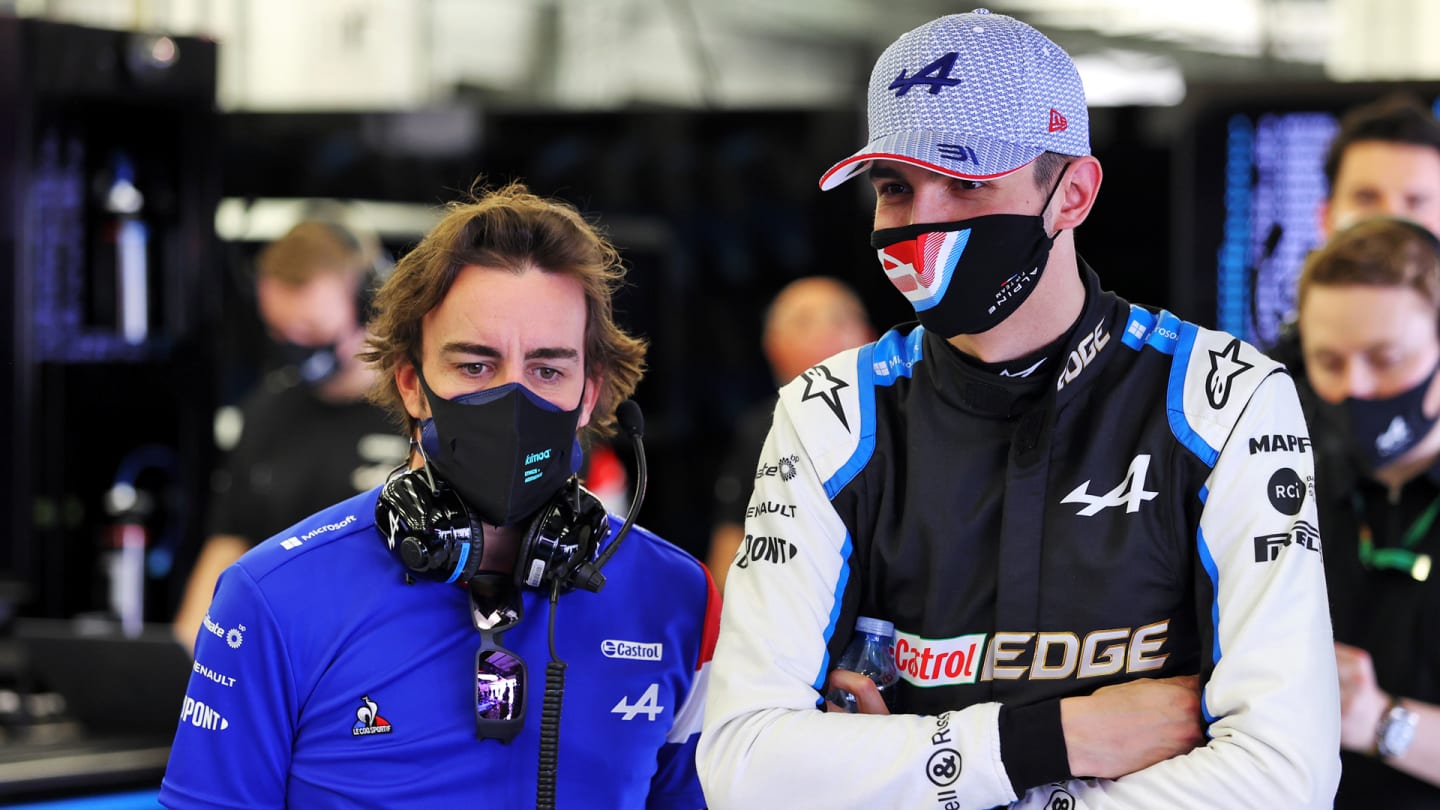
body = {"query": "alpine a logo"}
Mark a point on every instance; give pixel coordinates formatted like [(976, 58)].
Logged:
[(934, 76), (632, 650), (1225, 366), (822, 385), (1302, 534), (1130, 493), (1395, 437), (368, 720), (773, 550)]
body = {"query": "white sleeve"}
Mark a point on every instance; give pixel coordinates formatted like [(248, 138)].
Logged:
[(765, 744), (1272, 701)]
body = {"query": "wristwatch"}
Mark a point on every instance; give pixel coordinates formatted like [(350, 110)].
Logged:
[(1396, 730)]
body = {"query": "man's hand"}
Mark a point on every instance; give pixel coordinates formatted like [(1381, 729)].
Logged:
[(1123, 728), (867, 695), (1361, 699)]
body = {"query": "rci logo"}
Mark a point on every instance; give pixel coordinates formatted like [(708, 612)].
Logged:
[(1286, 491), (776, 550)]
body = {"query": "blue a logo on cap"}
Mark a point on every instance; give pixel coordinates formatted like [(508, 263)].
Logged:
[(936, 74)]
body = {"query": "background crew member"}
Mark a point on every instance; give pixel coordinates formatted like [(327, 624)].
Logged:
[(809, 320), (1046, 489), (308, 437), (1385, 160), (339, 661), (1369, 304)]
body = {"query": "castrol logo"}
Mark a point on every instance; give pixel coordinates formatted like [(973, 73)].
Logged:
[(939, 661)]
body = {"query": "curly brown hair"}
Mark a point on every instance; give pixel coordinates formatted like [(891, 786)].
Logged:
[(515, 230)]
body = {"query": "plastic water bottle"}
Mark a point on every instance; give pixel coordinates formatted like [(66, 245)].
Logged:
[(871, 653)]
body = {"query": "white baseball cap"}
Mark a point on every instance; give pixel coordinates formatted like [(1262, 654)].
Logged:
[(974, 96)]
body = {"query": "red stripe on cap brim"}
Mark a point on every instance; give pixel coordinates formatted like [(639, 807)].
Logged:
[(827, 183)]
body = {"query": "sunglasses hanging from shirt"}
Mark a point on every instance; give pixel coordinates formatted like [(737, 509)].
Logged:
[(1404, 558), (501, 678)]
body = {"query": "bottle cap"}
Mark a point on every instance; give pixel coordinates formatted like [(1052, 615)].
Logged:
[(878, 627)]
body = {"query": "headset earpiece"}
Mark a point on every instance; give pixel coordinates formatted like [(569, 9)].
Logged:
[(376, 266), (428, 528), (563, 540)]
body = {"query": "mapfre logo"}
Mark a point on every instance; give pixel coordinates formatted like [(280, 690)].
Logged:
[(1279, 443)]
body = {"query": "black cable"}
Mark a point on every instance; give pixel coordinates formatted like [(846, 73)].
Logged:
[(550, 717)]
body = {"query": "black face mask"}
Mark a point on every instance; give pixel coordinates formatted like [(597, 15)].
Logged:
[(505, 449), (1382, 430), (965, 277), (313, 364)]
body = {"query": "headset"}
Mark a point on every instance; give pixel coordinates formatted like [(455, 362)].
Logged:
[(434, 535), (377, 266)]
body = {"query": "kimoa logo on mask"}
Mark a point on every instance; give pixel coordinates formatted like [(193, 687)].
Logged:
[(543, 455)]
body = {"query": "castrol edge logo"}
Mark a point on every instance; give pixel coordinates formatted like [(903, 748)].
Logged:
[(1045, 656), (939, 661)]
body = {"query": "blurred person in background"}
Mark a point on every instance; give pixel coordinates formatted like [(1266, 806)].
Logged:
[(1385, 160), (307, 435), (809, 320), (1369, 306)]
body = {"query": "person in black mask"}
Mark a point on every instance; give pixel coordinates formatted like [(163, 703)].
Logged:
[(391, 650), (1089, 522), (1369, 305), (305, 436)]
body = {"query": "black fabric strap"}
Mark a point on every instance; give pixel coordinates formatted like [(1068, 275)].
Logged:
[(1032, 745)]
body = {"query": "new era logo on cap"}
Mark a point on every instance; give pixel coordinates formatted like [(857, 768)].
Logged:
[(974, 95)]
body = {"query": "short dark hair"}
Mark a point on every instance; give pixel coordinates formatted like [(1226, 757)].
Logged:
[(1397, 118), (1378, 252), (514, 230), (1047, 168)]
